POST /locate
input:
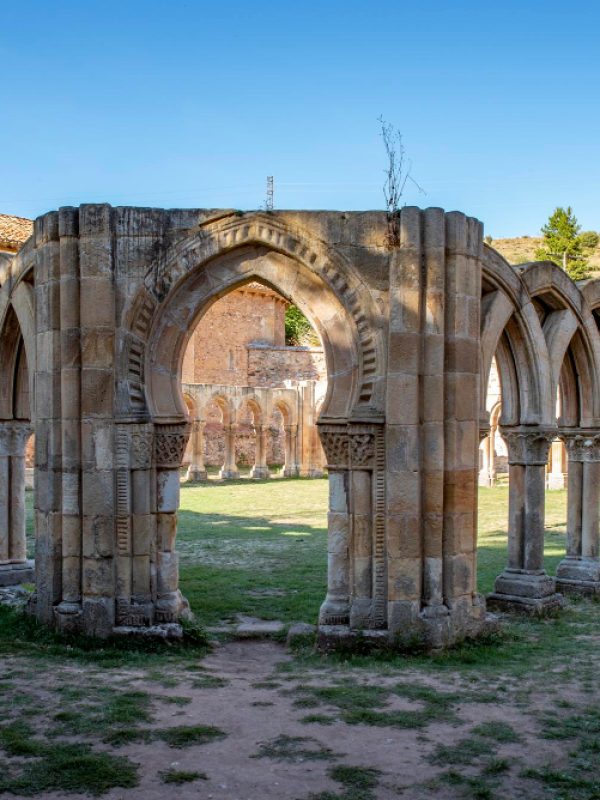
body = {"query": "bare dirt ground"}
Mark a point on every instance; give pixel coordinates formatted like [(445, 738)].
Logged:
[(288, 726)]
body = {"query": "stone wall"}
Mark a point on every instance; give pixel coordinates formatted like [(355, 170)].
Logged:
[(271, 366), (217, 350)]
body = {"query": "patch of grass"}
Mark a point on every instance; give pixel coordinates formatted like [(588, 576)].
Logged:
[(465, 751), (266, 685), (22, 635), (570, 785), (497, 766), (209, 682), (577, 777), (188, 735), (359, 783), (476, 788), (294, 748), (321, 719), (178, 777), (355, 777), (176, 699), (111, 708), (498, 731), (61, 767)]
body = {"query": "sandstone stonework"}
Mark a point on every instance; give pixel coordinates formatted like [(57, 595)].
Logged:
[(96, 310)]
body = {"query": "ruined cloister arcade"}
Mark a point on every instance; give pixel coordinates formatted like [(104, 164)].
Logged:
[(96, 310)]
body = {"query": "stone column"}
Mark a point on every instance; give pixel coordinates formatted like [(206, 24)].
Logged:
[(290, 469), (485, 471), (169, 446), (579, 572), (556, 476), (260, 468), (229, 468), (197, 469), (524, 585), (336, 608), (14, 566)]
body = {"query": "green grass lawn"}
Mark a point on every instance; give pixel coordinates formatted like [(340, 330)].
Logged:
[(259, 547)]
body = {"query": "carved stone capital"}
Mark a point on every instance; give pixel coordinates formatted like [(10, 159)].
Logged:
[(528, 446), (13, 437), (170, 442), (336, 445), (362, 446), (582, 445), (349, 445)]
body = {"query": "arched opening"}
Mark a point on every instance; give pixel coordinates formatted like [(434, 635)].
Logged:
[(249, 372), (16, 451)]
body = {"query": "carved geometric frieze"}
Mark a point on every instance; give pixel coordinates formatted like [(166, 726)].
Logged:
[(170, 442)]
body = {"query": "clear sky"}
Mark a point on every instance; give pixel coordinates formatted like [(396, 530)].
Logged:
[(192, 104)]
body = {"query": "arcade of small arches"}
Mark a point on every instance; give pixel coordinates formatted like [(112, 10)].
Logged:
[(296, 407), (96, 309)]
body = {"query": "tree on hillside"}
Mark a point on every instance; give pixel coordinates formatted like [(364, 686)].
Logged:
[(565, 245)]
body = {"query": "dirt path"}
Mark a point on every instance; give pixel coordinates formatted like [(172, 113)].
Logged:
[(260, 699)]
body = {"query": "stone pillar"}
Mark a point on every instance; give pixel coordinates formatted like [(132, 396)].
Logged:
[(336, 608), (14, 566), (260, 468), (524, 585), (485, 473), (229, 468), (579, 572), (169, 446), (48, 402), (556, 476), (290, 469), (197, 469)]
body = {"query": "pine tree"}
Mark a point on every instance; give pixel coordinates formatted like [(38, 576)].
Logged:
[(564, 245)]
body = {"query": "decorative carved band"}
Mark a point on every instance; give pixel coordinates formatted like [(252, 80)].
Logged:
[(528, 446), (170, 442), (582, 445)]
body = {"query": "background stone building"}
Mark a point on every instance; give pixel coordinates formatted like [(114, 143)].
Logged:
[(240, 342)]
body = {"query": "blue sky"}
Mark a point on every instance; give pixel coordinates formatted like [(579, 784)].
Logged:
[(193, 104)]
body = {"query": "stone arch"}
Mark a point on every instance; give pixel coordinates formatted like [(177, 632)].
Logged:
[(15, 430), (569, 327), (511, 331), (219, 258)]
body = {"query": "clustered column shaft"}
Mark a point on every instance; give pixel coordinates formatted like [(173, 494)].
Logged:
[(579, 571), (524, 584)]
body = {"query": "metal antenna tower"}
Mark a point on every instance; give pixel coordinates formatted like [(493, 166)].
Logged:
[(269, 203)]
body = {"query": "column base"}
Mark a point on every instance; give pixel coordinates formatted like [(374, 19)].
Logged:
[(259, 473), (334, 612), (13, 574), (228, 474), (578, 576), (525, 593), (411, 628), (291, 472), (194, 474)]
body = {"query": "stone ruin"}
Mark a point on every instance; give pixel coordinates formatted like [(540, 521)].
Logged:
[(95, 313)]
